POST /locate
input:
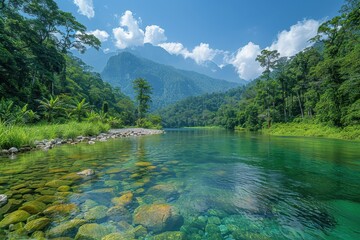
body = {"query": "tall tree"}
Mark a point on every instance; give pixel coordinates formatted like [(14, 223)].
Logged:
[(143, 92)]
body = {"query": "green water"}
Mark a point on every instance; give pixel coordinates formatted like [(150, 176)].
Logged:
[(224, 185)]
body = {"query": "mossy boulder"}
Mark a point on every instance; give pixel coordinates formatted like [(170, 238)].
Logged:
[(96, 213), (93, 231), (175, 235), (119, 236), (158, 217), (37, 224), (14, 217), (139, 231), (57, 183), (61, 209), (50, 199), (66, 228), (119, 213), (63, 188), (124, 199), (33, 207)]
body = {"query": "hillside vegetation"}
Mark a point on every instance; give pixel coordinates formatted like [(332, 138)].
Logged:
[(320, 85)]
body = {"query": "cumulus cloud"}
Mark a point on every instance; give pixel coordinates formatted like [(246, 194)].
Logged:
[(101, 35), (290, 42), (199, 54), (244, 61), (202, 53), (175, 48), (86, 7), (154, 35), (129, 33)]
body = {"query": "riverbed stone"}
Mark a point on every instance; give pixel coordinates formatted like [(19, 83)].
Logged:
[(37, 224), (174, 235), (158, 217), (63, 188), (93, 231), (61, 209), (14, 217), (71, 177), (50, 199), (119, 213), (13, 150), (3, 200), (164, 191), (66, 228), (143, 164), (124, 199), (96, 213), (119, 236), (33, 207), (139, 231), (86, 172), (57, 183)]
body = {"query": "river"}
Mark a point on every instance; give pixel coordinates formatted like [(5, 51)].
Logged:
[(185, 184)]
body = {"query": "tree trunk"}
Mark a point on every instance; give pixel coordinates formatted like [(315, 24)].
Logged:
[(300, 105)]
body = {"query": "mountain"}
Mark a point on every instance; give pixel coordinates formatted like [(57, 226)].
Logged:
[(98, 59), (169, 84), (209, 68)]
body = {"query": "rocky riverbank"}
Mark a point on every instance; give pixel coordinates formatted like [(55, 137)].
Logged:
[(47, 144)]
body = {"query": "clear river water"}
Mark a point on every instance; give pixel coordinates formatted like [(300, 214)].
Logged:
[(185, 184)]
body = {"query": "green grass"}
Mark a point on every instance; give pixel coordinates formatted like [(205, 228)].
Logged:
[(17, 136), (313, 130)]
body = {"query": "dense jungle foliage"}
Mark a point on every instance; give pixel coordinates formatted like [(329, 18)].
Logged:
[(319, 85), (40, 80)]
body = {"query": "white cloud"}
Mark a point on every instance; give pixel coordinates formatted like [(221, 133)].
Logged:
[(199, 54), (128, 34), (101, 35), (154, 35), (244, 61), (86, 7), (174, 48), (202, 53), (290, 42)]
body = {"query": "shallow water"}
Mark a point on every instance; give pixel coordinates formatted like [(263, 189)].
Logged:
[(225, 185)]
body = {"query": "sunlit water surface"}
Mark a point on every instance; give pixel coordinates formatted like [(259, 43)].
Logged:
[(225, 185)]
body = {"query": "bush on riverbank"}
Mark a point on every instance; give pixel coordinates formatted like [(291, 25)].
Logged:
[(313, 130), (17, 136)]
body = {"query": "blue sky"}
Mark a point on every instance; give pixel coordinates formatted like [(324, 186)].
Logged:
[(226, 32)]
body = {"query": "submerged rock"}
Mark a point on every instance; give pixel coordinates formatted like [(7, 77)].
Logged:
[(3, 200), (66, 228), (124, 199), (61, 209), (33, 207), (87, 172), (96, 213), (93, 231), (158, 217), (58, 183), (119, 213), (119, 236), (37, 224), (14, 217), (169, 236)]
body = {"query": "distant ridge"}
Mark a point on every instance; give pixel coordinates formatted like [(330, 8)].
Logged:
[(169, 84)]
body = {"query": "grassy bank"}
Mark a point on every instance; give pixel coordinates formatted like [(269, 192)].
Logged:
[(17, 136), (313, 130)]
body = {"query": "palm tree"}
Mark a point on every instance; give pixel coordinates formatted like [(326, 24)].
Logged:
[(51, 107), (80, 108)]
